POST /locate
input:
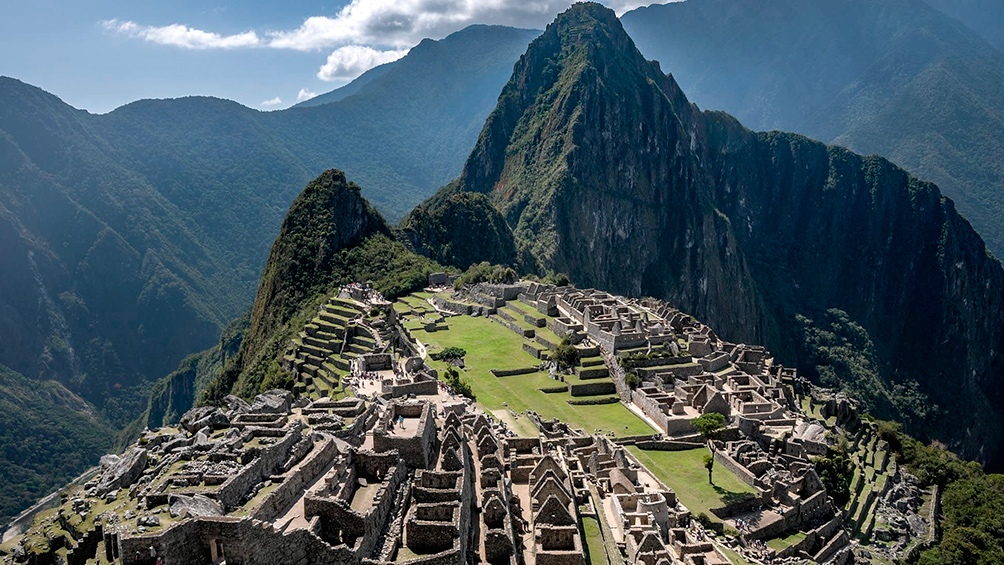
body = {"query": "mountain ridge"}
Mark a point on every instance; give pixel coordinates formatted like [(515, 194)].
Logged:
[(625, 185)]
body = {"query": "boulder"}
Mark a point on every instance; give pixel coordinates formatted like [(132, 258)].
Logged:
[(275, 401), (235, 404), (196, 505), (120, 472), (206, 416)]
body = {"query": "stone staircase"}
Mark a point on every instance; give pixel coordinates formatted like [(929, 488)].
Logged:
[(321, 353)]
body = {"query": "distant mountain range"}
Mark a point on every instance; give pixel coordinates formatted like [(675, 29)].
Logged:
[(895, 78), (861, 274), (132, 238)]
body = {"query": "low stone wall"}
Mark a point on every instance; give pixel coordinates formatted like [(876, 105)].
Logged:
[(451, 305), (243, 541), (532, 350), (593, 389), (598, 372), (537, 321), (657, 361), (513, 372), (419, 388), (515, 328), (594, 401), (233, 491), (667, 445)]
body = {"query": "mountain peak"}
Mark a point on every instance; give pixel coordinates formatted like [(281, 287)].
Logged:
[(580, 91), (328, 216)]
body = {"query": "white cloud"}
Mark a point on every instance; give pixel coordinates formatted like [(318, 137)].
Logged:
[(403, 23), (271, 103), (178, 35), (351, 61), (305, 94), (389, 24)]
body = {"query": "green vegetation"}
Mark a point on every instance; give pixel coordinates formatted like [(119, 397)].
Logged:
[(452, 354), (486, 272), (565, 354), (595, 552), (461, 230), (836, 471), (840, 354), (710, 425), (683, 472), (972, 500), (458, 385), (784, 542), (491, 346), (47, 437)]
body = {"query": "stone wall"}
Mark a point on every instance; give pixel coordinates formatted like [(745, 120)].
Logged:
[(295, 484), (244, 541), (731, 464), (592, 389), (667, 445), (232, 493), (513, 372), (418, 388)]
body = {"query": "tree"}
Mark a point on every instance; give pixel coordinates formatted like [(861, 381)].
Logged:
[(458, 385), (565, 354), (710, 425), (709, 464), (453, 355)]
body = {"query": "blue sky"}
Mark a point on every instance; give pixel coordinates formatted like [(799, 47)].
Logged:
[(101, 54)]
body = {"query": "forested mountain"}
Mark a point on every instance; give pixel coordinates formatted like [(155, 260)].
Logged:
[(984, 16), (863, 275), (130, 239), (895, 78)]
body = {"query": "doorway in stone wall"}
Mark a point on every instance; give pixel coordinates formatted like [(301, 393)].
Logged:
[(216, 549)]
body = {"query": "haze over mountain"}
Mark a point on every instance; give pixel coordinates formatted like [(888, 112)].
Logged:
[(895, 78), (132, 238), (863, 275)]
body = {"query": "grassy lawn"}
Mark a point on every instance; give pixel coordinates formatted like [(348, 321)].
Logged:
[(778, 544), (594, 541), (734, 557), (492, 346), (684, 472)]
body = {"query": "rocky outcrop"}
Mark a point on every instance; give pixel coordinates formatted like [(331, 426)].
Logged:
[(121, 471)]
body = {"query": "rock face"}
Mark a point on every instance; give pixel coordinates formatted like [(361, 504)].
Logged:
[(272, 402), (121, 471), (605, 171), (329, 215)]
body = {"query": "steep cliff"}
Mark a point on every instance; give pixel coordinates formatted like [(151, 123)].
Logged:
[(605, 171)]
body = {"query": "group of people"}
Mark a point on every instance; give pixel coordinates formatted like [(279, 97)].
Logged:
[(744, 526)]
